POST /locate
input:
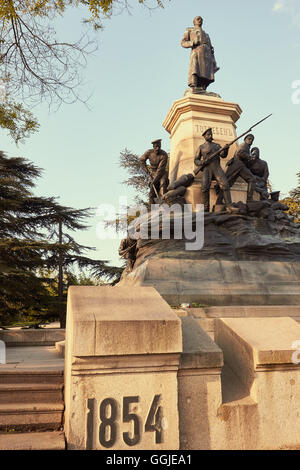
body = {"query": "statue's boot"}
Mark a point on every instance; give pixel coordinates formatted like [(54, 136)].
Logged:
[(194, 83), (206, 201), (250, 191), (220, 197)]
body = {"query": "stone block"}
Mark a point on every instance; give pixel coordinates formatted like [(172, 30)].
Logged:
[(32, 337), (268, 340), (109, 321), (121, 368), (218, 282), (199, 389), (260, 353)]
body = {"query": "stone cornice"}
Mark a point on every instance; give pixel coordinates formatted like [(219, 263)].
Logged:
[(200, 103)]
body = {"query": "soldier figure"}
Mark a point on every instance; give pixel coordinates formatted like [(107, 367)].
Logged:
[(202, 62), (238, 166), (157, 170), (260, 170), (213, 170)]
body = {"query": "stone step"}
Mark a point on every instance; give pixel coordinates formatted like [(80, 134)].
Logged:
[(33, 441), (14, 376), (60, 348), (31, 393), (31, 416), (246, 311), (32, 337)]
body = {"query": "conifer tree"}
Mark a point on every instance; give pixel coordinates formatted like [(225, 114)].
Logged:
[(30, 245)]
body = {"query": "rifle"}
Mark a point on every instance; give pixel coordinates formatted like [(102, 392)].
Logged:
[(216, 154)]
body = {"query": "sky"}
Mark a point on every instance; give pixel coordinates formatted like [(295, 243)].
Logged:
[(139, 70)]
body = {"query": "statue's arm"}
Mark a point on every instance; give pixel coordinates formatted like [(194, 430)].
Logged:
[(266, 172), (243, 154), (186, 42), (224, 152), (198, 157), (144, 159)]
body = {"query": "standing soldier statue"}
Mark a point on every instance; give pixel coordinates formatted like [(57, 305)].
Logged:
[(202, 61), (212, 169), (239, 166), (259, 168), (157, 170)]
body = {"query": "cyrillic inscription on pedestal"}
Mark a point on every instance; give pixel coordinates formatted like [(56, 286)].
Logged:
[(218, 131)]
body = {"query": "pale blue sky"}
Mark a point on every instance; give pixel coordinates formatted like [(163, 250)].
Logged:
[(136, 74)]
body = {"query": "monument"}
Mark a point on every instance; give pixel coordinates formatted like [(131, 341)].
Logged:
[(251, 247), (224, 374)]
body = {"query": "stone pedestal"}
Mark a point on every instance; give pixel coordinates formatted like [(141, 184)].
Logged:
[(122, 358), (186, 121)]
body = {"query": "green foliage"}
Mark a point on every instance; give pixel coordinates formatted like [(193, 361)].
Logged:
[(35, 65), (139, 179), (19, 122), (30, 247), (293, 201), (97, 9)]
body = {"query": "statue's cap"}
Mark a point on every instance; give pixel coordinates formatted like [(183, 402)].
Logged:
[(207, 130), (156, 141)]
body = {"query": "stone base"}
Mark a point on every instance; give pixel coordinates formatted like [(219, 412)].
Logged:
[(238, 193), (220, 282), (200, 91), (243, 261)]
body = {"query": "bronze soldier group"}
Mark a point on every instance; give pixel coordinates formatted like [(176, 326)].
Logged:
[(245, 163)]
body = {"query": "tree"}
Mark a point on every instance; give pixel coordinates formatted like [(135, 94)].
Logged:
[(138, 179), (29, 245), (293, 201), (17, 120), (35, 66)]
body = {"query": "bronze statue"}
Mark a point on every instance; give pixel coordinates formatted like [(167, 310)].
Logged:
[(238, 166), (157, 170), (128, 250), (203, 65), (213, 169), (260, 170), (177, 189)]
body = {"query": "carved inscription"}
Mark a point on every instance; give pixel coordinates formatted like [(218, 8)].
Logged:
[(217, 131)]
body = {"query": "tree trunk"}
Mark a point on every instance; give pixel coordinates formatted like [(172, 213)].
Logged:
[(61, 312)]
